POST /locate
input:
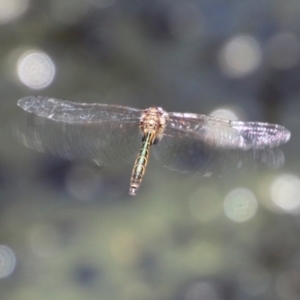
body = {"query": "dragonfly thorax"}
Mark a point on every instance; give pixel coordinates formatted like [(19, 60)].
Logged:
[(153, 120)]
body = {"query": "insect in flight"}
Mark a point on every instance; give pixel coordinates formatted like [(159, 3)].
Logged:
[(108, 134)]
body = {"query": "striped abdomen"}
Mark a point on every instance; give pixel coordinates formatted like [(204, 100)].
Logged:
[(140, 164)]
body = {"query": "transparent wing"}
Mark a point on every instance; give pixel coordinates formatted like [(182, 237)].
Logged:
[(192, 155), (198, 143), (105, 134), (72, 112), (226, 134)]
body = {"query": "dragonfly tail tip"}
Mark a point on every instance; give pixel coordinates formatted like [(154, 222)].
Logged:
[(132, 191)]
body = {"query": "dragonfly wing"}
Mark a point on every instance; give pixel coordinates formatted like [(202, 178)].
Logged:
[(73, 112), (200, 143), (227, 134), (185, 154), (112, 139)]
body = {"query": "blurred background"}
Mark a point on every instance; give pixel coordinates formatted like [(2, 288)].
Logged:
[(69, 230)]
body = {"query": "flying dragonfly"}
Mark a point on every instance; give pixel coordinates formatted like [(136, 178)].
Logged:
[(109, 134)]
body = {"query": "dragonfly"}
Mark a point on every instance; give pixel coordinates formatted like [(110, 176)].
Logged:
[(110, 134)]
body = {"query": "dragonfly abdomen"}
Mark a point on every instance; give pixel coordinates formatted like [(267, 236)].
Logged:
[(140, 164)]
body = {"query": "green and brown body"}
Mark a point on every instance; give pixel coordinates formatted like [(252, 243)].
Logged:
[(140, 164), (152, 125)]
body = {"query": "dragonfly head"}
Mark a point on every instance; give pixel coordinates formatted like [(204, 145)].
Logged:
[(153, 120)]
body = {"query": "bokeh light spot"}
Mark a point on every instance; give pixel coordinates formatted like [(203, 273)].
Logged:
[(12, 9), (285, 193), (240, 205), (7, 261), (35, 69), (240, 56), (224, 113)]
